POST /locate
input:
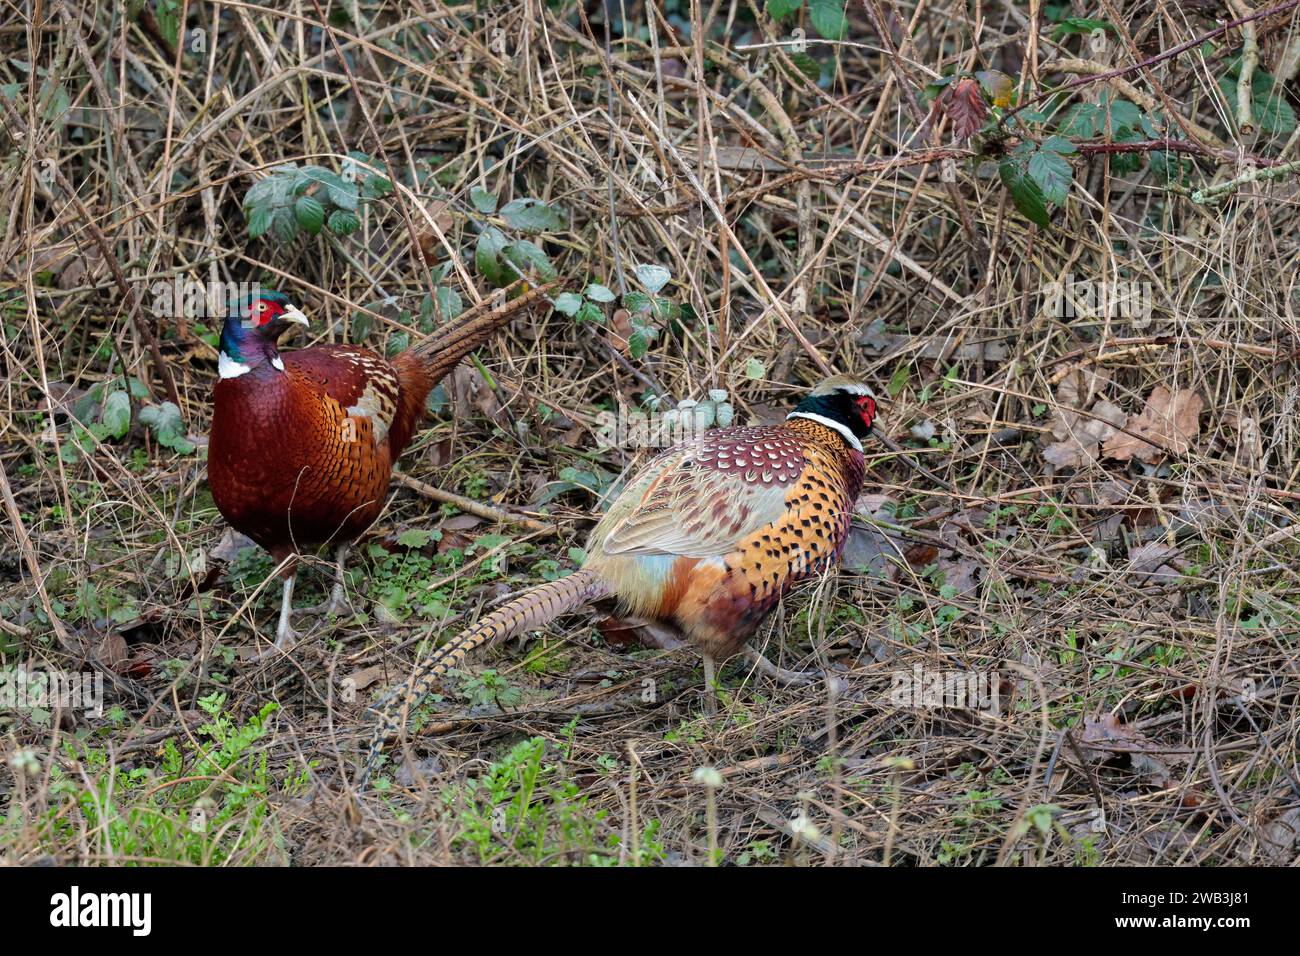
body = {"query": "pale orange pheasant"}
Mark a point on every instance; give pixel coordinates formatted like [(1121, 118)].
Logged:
[(704, 540)]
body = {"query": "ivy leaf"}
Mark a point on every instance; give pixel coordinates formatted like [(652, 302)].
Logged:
[(116, 415), (1052, 172), (828, 18), (1025, 194), (483, 200), (309, 213), (780, 9), (165, 422), (532, 215), (568, 302), (449, 302), (653, 277), (343, 222)]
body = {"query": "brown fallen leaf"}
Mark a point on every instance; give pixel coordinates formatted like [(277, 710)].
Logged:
[(1168, 423), (1154, 562), (1078, 434), (1108, 737), (620, 330)]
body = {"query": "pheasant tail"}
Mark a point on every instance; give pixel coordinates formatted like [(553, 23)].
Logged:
[(534, 608), (441, 351)]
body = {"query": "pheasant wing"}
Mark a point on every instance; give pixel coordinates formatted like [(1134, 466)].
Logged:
[(360, 381), (701, 499)]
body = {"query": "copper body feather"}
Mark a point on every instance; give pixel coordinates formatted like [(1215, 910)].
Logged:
[(302, 457)]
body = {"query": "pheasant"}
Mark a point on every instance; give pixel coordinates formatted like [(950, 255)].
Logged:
[(303, 443), (704, 541)]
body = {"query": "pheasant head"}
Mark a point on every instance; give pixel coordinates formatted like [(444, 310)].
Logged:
[(251, 333), (843, 403)]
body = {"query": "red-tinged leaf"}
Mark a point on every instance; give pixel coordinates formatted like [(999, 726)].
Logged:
[(965, 106)]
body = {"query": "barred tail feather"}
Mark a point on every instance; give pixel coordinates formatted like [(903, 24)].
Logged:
[(447, 346), (534, 608)]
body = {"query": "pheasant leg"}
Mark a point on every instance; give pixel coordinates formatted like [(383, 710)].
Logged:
[(337, 604), (284, 633), (710, 686)]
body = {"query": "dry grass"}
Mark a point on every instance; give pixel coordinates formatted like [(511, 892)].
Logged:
[(1150, 593)]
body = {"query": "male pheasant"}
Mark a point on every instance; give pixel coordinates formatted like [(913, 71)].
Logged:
[(303, 443), (704, 541)]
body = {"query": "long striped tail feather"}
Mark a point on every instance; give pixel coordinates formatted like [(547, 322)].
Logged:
[(534, 608), (448, 345)]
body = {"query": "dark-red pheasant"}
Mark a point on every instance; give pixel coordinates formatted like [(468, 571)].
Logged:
[(303, 443), (704, 541)]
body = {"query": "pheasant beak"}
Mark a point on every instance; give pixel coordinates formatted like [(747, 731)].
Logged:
[(293, 314)]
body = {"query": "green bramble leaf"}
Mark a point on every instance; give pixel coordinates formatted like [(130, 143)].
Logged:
[(527, 257), (449, 302), (638, 343), (653, 277), (309, 213), (284, 225), (807, 66), (754, 369), (487, 256), (590, 313), (342, 222), (780, 9), (599, 293), (1082, 120), (828, 18), (414, 538), (637, 302), (568, 302), (532, 215), (1025, 193), (259, 220), (1052, 173), (484, 201), (1081, 25)]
